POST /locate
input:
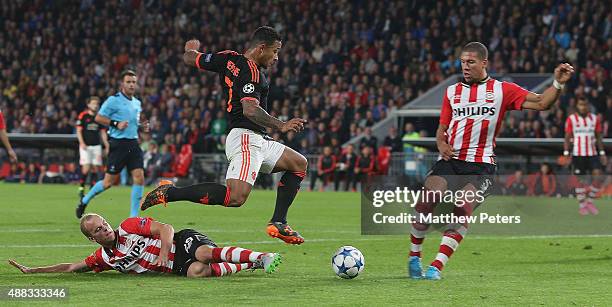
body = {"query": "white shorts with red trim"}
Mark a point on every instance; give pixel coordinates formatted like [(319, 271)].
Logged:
[(249, 153), (92, 155)]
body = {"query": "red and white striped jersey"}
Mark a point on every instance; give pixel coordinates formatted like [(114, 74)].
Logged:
[(583, 130), (135, 250), (474, 114)]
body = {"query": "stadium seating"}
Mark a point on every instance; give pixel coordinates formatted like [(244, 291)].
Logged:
[(338, 71)]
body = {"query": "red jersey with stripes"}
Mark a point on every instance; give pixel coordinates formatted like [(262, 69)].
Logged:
[(474, 113), (583, 129), (2, 124), (134, 252), (241, 79)]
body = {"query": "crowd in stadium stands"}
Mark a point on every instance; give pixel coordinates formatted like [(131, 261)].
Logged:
[(343, 66)]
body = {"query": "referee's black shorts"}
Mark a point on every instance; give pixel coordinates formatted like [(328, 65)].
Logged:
[(124, 153)]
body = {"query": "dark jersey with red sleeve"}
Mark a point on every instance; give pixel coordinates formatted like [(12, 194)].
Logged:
[(90, 128), (241, 79)]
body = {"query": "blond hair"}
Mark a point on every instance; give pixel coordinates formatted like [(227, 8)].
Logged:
[(85, 218)]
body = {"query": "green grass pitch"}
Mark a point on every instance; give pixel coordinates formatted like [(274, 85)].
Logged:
[(38, 227)]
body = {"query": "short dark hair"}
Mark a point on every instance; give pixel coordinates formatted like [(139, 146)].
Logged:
[(477, 47), (127, 72), (266, 35)]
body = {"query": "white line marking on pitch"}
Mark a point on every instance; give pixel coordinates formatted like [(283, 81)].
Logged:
[(377, 238)]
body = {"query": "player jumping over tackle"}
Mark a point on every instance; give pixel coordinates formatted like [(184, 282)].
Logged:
[(142, 245), (472, 112), (583, 129), (248, 149)]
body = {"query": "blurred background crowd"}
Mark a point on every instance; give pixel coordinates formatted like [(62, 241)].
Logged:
[(344, 65)]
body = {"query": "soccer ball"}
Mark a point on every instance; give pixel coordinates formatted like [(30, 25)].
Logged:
[(348, 262)]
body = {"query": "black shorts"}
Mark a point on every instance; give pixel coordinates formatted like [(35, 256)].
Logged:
[(459, 173), (124, 153), (186, 242), (585, 165)]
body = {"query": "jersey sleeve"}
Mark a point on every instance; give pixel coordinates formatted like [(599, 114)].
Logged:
[(211, 61), (249, 85), (79, 122), (446, 113), (137, 225), (2, 123), (96, 262), (108, 108), (514, 96), (598, 126), (568, 125)]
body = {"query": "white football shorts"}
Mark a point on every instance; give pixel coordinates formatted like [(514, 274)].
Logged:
[(92, 155), (249, 153)]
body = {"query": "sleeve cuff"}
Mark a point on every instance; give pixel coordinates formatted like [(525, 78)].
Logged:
[(197, 60)]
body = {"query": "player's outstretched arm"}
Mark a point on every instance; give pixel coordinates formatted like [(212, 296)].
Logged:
[(544, 101), (252, 110), (77, 267)]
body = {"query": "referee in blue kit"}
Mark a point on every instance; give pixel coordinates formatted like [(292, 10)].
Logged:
[(121, 112)]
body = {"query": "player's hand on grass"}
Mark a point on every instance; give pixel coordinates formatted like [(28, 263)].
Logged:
[(122, 125), (294, 124), (12, 156), (563, 72), (446, 151), (162, 260), (192, 44), (24, 269)]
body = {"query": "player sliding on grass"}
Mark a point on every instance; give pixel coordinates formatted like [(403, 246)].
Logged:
[(142, 245), (472, 112), (248, 149)]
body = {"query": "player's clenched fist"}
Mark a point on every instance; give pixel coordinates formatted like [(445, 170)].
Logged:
[(563, 72), (446, 151), (162, 260), (193, 44), (294, 124)]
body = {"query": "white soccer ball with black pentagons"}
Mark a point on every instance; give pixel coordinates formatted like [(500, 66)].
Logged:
[(348, 262)]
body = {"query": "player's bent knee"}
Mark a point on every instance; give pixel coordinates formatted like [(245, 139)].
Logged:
[(237, 200), (204, 254), (198, 269), (302, 163), (435, 183)]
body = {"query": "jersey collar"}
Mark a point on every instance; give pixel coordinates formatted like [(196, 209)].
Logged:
[(484, 80), (126, 97)]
